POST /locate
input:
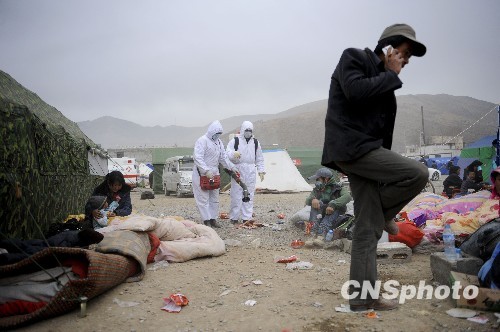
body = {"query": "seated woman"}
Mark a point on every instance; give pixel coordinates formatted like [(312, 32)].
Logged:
[(117, 193), (453, 181)]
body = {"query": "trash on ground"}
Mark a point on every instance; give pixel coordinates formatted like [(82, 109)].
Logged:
[(224, 293), (299, 266), (282, 259), (224, 215), (372, 315), (125, 304), (257, 282), (347, 308), (255, 243), (179, 299), (461, 313), (281, 216), (250, 303), (170, 306), (296, 244), (479, 319)]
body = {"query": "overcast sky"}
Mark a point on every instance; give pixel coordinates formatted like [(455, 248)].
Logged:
[(189, 62)]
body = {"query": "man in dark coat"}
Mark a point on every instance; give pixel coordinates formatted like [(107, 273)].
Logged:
[(358, 138)]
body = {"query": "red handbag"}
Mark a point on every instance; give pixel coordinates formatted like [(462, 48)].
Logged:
[(210, 184)]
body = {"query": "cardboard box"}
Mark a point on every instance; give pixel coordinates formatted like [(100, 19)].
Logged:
[(487, 298)]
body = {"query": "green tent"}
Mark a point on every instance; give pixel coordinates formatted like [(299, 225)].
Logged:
[(44, 164), (481, 150)]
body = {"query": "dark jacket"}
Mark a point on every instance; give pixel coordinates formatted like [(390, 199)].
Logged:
[(361, 107), (453, 180), (124, 205)]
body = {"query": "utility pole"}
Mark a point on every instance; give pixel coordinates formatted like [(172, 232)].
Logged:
[(497, 159), (423, 128)]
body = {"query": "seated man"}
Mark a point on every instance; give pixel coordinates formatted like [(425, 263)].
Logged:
[(470, 184), (328, 201), (453, 181)]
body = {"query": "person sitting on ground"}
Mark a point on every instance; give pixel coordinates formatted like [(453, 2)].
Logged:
[(117, 192), (495, 180), (96, 211), (470, 184), (328, 201), (453, 181), (475, 167)]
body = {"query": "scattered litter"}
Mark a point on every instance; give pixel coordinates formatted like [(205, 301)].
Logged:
[(296, 244), (372, 315), (280, 222), (179, 299), (159, 265), (175, 302), (341, 261), (282, 259), (170, 306), (478, 319), (299, 266), (224, 215), (317, 305), (224, 293), (255, 243), (257, 282), (125, 304), (281, 216), (232, 243), (347, 308), (276, 228), (461, 313), (250, 303)]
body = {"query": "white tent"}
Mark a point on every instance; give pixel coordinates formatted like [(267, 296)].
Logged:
[(144, 171), (281, 173)]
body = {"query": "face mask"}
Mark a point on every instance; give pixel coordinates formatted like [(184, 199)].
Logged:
[(247, 134), (215, 137), (320, 185)]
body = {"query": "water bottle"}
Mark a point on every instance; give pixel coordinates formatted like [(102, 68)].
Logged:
[(450, 251), (329, 235), (113, 206)]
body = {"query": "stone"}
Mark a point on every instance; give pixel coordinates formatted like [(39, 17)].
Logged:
[(441, 266), (393, 253)]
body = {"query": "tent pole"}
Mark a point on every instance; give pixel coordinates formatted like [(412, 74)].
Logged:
[(497, 159)]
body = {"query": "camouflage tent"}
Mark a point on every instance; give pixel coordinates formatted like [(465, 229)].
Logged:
[(44, 164)]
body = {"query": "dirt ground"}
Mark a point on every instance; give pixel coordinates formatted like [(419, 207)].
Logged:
[(286, 300)]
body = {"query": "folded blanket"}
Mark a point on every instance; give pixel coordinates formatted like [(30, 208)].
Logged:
[(127, 243)]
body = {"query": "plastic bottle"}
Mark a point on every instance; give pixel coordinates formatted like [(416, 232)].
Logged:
[(329, 235), (450, 251), (112, 206)]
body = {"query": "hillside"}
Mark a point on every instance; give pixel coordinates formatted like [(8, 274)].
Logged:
[(444, 115)]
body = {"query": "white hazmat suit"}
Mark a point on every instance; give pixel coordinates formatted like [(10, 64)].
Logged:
[(249, 160), (208, 153)]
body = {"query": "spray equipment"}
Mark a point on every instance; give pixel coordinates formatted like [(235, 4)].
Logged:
[(236, 177)]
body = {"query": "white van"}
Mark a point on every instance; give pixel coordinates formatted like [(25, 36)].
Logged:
[(128, 167), (178, 175)]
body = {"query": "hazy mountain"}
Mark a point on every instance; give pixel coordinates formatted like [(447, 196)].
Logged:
[(444, 115)]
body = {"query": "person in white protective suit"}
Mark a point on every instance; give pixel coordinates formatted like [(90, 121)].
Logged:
[(246, 153), (208, 153)]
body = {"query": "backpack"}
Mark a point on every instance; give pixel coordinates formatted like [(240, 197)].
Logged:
[(237, 143), (482, 242)]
